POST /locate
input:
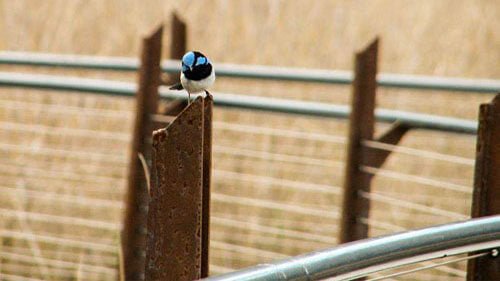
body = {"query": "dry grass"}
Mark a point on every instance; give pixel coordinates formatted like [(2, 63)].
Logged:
[(450, 38)]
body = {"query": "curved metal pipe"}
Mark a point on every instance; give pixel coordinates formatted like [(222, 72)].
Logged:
[(357, 259)]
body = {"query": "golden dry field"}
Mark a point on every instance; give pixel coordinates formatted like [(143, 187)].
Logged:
[(276, 193)]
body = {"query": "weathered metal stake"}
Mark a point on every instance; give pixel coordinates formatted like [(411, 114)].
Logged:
[(362, 124), (486, 195), (178, 218), (134, 231), (207, 171), (147, 115)]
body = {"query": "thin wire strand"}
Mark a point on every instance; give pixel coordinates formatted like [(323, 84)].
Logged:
[(58, 131), (60, 175), (246, 250), (66, 109), (297, 185), (381, 225), (401, 273), (23, 180), (60, 263), (12, 277), (117, 191), (70, 199), (279, 132), (217, 269), (267, 204), (46, 218), (266, 241), (96, 259), (65, 153), (104, 170), (419, 152), (55, 274), (302, 160), (415, 179), (410, 205), (59, 241), (273, 230), (286, 222)]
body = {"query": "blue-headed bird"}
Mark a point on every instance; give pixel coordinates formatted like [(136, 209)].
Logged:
[(197, 74)]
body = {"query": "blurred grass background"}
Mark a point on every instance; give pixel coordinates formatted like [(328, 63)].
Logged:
[(448, 38)]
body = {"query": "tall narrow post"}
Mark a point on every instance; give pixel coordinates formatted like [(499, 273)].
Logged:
[(134, 231), (486, 195), (207, 169), (362, 122), (181, 153)]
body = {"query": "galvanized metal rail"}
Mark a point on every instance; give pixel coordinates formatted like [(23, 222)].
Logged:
[(64, 83), (357, 259), (257, 72)]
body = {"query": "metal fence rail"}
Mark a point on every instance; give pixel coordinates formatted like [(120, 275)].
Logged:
[(257, 72), (358, 259), (64, 83)]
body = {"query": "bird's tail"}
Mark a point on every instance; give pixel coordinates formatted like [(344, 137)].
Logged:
[(177, 86)]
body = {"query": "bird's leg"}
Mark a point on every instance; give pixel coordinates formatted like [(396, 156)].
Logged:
[(189, 98), (207, 94)]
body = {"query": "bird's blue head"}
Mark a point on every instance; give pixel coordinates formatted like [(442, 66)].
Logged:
[(192, 59)]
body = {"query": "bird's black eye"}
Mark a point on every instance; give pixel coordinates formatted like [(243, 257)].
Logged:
[(184, 68)]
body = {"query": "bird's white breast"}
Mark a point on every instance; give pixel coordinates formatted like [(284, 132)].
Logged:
[(195, 86)]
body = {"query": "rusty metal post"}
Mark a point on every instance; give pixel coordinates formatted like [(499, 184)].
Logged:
[(486, 195), (207, 168), (362, 122), (134, 229), (181, 153)]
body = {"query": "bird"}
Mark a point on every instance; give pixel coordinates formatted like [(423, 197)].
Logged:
[(197, 74)]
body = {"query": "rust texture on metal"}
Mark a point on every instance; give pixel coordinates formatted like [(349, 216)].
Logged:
[(174, 220), (134, 230), (362, 122), (207, 169), (486, 195)]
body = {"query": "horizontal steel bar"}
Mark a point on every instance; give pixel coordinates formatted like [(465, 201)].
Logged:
[(257, 72), (64, 83), (360, 258)]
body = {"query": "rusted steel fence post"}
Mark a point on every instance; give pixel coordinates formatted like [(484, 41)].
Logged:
[(361, 129), (486, 195), (362, 123), (175, 220), (207, 171), (134, 229)]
